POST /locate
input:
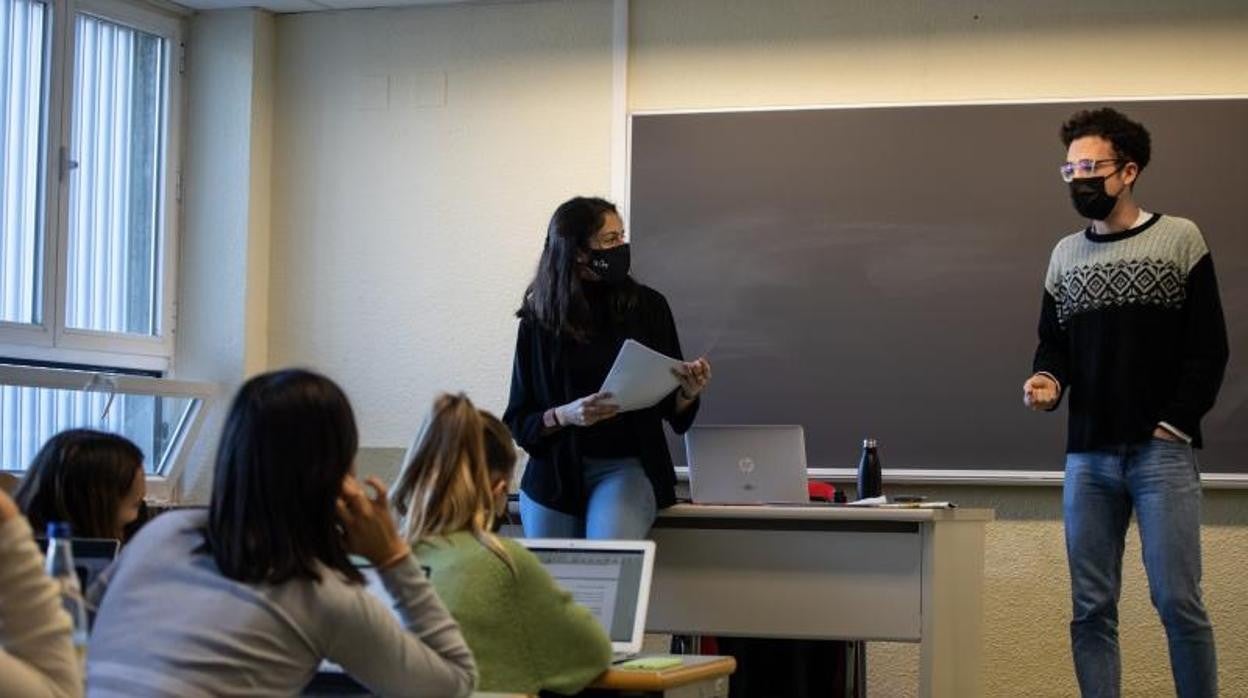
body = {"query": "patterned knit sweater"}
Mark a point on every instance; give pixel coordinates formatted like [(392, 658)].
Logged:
[(1131, 327)]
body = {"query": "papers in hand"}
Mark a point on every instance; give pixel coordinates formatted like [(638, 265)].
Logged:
[(640, 377), (869, 502)]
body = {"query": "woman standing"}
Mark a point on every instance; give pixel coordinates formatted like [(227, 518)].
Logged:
[(593, 472)]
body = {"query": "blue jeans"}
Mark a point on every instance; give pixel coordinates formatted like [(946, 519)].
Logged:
[(1160, 481), (620, 507)]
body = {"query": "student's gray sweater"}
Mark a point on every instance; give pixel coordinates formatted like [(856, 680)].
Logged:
[(170, 623)]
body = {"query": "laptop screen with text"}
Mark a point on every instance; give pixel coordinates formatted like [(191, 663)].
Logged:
[(607, 582)]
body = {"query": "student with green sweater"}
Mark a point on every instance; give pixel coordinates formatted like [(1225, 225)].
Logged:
[(526, 633)]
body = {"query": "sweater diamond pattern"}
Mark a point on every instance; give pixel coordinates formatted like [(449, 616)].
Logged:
[(1091, 287)]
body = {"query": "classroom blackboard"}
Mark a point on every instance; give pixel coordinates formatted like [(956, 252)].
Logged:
[(878, 271)]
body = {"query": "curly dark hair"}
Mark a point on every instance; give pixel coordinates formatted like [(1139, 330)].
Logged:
[(1129, 138)]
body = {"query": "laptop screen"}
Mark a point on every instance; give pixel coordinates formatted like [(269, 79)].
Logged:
[(607, 582), (91, 556)]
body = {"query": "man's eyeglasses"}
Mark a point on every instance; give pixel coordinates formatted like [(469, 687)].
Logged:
[(1084, 168)]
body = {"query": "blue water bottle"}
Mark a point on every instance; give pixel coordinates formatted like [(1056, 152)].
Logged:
[(870, 475)]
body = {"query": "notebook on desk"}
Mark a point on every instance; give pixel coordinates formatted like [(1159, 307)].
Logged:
[(747, 464), (609, 577)]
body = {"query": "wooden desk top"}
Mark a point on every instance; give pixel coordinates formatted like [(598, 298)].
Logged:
[(694, 668)]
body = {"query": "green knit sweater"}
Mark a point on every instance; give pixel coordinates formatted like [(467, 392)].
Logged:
[(526, 633)]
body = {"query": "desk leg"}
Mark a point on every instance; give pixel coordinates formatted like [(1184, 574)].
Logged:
[(953, 581), (856, 677)]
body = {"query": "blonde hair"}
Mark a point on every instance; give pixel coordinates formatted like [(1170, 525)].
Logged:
[(447, 482)]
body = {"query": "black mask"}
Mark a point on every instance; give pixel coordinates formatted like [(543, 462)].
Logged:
[(1090, 198), (611, 265)]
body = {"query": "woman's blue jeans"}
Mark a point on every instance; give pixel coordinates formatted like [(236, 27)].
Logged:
[(620, 507)]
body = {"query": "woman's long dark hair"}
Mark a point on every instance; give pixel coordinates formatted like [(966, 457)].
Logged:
[(555, 299), (289, 440), (80, 476)]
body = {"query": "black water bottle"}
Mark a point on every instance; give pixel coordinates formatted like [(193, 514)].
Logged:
[(870, 478)]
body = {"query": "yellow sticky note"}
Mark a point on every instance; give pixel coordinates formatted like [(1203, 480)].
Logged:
[(650, 663)]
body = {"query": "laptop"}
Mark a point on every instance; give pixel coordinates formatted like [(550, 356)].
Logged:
[(750, 464), (609, 577), (91, 556)]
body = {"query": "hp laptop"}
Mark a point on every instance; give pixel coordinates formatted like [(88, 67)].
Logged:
[(753, 464)]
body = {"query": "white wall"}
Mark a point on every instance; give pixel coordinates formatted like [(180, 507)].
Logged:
[(222, 331), (724, 53), (418, 153), (419, 156)]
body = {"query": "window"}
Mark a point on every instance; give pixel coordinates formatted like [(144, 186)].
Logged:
[(90, 94), (89, 108), (23, 96), (160, 416)]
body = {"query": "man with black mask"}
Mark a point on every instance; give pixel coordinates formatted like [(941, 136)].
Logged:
[(1131, 328)]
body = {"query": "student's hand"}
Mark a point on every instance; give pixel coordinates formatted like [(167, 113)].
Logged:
[(369, 529), (1040, 392), (8, 508), (587, 411), (694, 376)]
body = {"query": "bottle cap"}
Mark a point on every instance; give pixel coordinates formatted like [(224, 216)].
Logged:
[(59, 529), (870, 443)]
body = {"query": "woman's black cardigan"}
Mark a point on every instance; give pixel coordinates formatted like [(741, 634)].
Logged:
[(540, 381)]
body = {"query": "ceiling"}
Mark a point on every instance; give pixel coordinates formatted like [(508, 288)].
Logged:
[(282, 6)]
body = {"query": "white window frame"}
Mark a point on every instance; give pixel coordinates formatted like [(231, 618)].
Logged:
[(50, 340), (162, 485)]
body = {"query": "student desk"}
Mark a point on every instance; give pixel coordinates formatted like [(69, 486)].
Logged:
[(822, 572), (697, 677)]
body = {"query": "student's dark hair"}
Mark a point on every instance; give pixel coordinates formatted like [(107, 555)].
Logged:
[(555, 299), (289, 440), (80, 476), (1130, 139)]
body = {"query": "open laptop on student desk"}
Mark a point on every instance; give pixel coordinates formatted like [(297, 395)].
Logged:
[(747, 464), (91, 556), (609, 577)]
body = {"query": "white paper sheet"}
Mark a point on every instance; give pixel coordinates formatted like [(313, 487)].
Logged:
[(640, 377)]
